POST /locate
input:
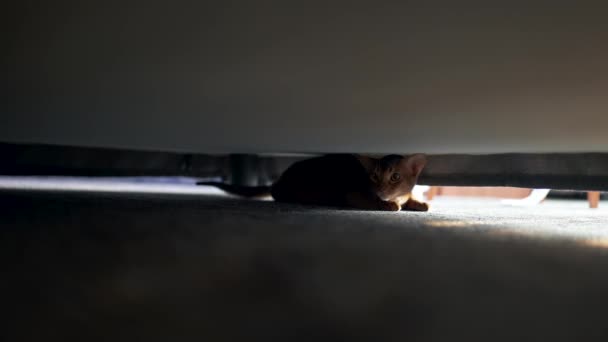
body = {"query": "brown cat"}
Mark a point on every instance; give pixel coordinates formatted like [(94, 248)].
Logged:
[(347, 181)]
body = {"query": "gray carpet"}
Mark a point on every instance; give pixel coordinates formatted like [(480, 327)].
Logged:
[(154, 266)]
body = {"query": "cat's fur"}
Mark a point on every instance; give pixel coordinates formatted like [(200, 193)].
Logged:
[(345, 180)]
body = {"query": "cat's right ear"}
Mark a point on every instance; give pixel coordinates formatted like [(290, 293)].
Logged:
[(415, 163), (369, 163)]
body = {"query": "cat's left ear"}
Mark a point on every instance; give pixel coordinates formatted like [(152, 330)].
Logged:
[(368, 163), (415, 163)]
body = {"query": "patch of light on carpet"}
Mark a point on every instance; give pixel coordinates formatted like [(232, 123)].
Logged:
[(597, 243), (84, 184), (448, 223)]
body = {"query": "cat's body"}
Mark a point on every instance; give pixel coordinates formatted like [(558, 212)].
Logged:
[(347, 181)]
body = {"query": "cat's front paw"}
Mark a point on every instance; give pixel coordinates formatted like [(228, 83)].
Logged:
[(417, 206), (423, 207), (391, 206)]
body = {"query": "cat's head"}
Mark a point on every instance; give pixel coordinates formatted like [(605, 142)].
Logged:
[(394, 176)]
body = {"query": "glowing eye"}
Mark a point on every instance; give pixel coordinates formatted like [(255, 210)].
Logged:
[(395, 176)]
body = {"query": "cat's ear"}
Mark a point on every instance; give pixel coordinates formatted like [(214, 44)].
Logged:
[(415, 163), (369, 163)]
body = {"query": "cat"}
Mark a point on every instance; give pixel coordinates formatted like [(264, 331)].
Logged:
[(346, 181)]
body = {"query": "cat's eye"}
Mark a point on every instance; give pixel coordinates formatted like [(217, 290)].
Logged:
[(374, 178), (395, 177)]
